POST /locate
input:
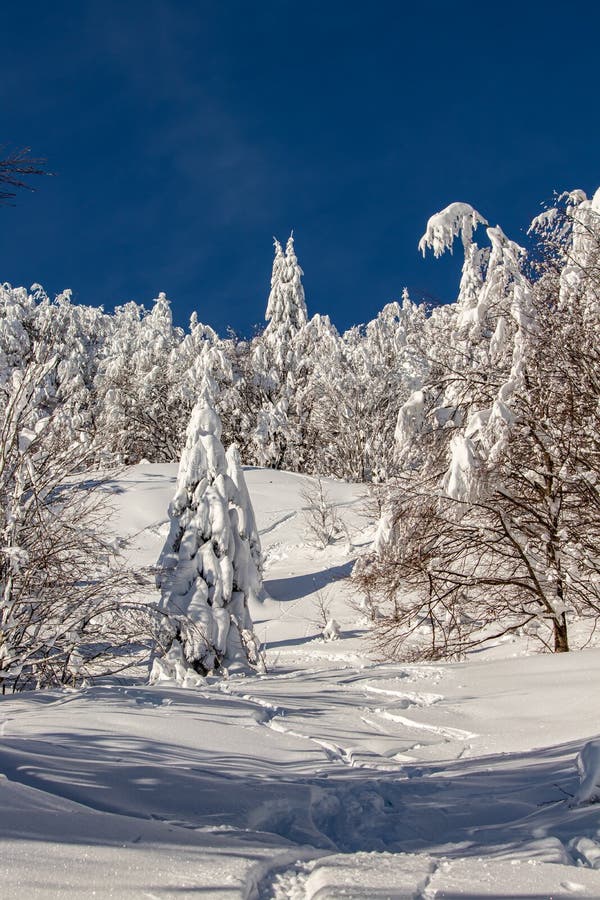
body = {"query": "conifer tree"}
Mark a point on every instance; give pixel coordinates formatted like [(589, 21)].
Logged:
[(286, 307), (210, 566), (275, 363)]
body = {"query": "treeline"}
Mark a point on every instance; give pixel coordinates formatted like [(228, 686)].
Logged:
[(479, 421), (298, 396), (83, 391)]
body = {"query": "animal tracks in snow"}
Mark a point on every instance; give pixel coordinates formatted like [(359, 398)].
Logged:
[(405, 699), (453, 734), (271, 718), (362, 875), (350, 733), (278, 523)]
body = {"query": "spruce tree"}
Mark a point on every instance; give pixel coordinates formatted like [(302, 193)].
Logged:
[(276, 363), (210, 565)]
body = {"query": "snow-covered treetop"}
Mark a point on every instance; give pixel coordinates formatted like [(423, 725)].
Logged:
[(443, 227), (203, 457), (161, 308), (286, 307), (550, 221), (570, 231)]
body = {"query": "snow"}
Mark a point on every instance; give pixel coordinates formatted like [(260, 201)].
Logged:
[(588, 766), (460, 479), (331, 632), (333, 775), (443, 227)]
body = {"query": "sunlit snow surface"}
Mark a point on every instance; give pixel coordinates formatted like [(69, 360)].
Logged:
[(332, 776)]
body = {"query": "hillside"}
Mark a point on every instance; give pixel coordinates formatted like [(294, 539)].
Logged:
[(333, 775)]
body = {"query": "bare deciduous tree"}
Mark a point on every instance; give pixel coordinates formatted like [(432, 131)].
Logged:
[(69, 611), (15, 167), (322, 521), (493, 525)]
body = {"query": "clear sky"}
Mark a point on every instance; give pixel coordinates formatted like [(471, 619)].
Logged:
[(185, 134)]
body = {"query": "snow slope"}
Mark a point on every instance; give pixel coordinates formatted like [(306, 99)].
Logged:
[(333, 775)]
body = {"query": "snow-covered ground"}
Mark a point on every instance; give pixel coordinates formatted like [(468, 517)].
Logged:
[(334, 775)]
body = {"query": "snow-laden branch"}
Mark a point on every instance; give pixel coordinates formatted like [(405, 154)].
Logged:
[(445, 226)]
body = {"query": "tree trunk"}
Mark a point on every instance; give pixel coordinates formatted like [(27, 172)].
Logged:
[(561, 640)]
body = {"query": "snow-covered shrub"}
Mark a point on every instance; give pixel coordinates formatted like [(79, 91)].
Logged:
[(324, 621), (321, 519), (332, 630)]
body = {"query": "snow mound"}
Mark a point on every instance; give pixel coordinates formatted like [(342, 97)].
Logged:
[(588, 766)]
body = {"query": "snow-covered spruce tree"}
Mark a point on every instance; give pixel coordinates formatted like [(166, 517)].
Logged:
[(154, 415), (69, 612), (394, 364), (116, 386), (240, 398), (210, 565), (492, 524), (286, 306), (275, 365)]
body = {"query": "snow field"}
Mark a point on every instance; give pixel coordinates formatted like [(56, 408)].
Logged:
[(333, 775)]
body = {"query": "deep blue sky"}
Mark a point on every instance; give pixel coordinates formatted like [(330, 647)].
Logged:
[(185, 134)]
